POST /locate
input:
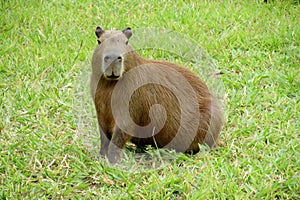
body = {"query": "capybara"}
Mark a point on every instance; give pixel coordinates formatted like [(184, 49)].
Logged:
[(148, 102)]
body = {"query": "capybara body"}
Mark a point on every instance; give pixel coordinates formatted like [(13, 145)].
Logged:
[(148, 102)]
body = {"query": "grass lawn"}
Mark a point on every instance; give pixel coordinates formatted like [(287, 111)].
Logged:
[(45, 53)]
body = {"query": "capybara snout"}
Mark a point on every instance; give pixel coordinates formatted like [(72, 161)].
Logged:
[(112, 66), (149, 102)]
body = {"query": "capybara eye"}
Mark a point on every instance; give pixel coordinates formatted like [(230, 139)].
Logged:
[(99, 42), (126, 42)]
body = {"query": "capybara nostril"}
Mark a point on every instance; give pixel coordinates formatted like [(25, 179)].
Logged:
[(107, 58), (119, 58)]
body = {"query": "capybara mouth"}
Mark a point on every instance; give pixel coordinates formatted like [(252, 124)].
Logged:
[(112, 77)]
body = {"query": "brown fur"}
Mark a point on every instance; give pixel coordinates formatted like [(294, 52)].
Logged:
[(113, 139)]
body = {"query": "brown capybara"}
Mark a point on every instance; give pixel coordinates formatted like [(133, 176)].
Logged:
[(148, 102)]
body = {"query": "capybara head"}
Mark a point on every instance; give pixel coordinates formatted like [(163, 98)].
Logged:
[(108, 57)]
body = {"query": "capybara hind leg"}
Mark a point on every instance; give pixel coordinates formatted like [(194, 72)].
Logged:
[(215, 125)]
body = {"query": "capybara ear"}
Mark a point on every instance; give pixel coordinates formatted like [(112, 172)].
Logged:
[(127, 32), (99, 31)]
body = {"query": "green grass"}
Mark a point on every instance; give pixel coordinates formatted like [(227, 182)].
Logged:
[(46, 49)]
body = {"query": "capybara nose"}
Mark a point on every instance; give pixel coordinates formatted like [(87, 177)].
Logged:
[(111, 58)]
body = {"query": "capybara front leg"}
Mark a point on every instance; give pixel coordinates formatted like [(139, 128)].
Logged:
[(104, 144), (118, 141)]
